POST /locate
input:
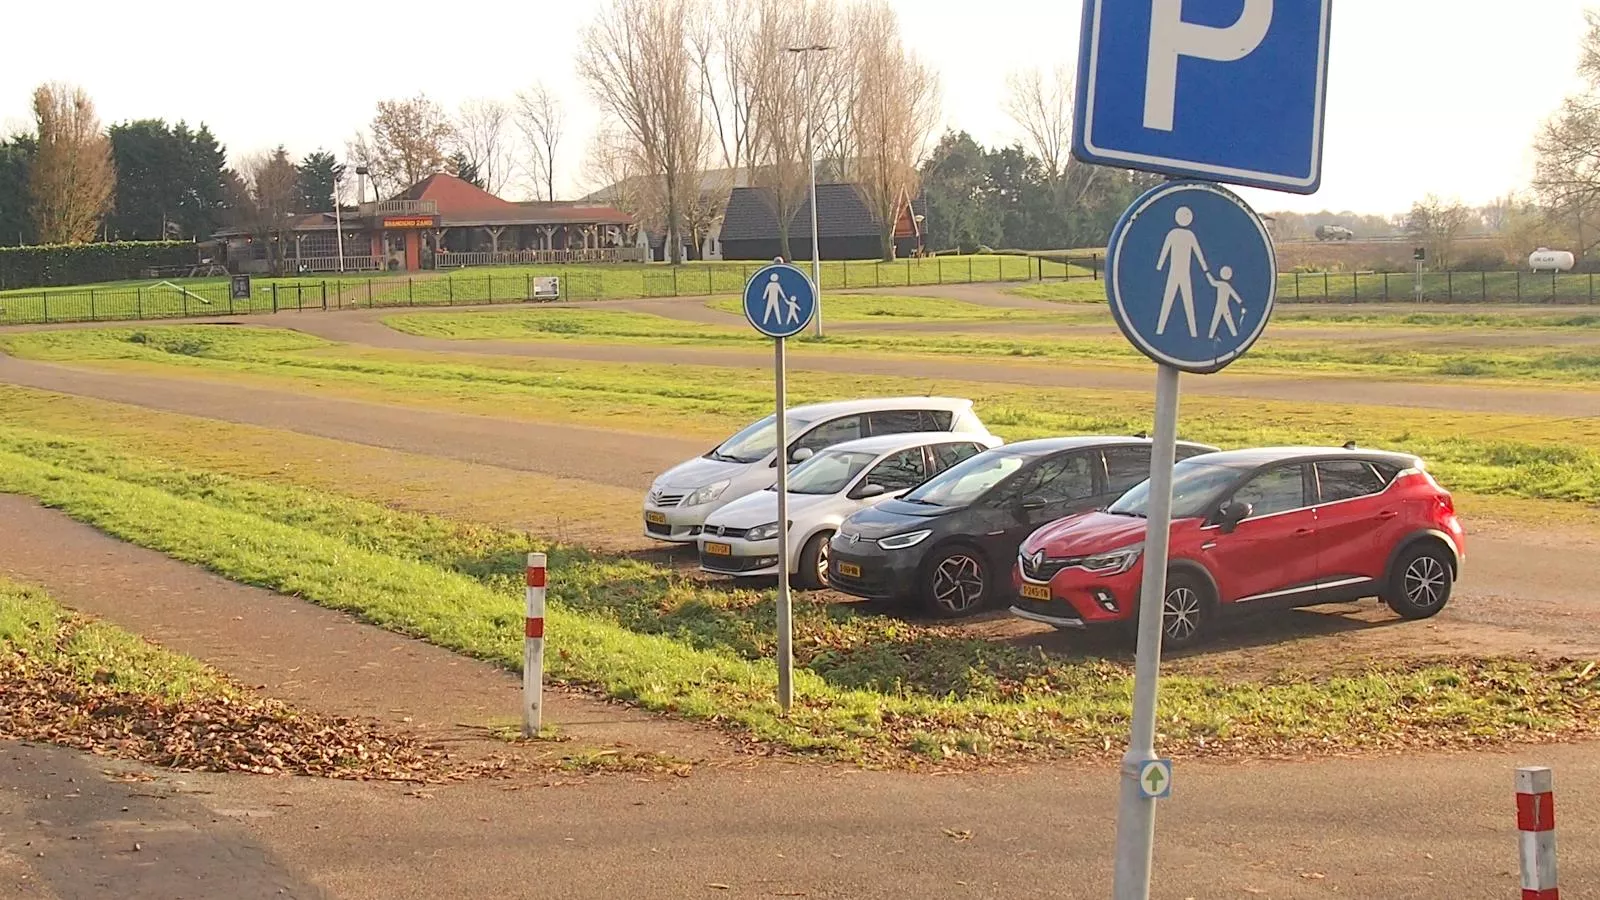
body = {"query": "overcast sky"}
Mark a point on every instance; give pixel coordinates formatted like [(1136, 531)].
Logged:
[(1425, 95)]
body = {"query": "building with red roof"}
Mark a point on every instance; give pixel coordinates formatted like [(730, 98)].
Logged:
[(439, 222)]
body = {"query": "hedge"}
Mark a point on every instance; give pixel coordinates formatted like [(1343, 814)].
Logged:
[(59, 265)]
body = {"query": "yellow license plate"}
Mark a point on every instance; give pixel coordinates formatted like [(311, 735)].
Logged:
[(850, 570), (718, 549), (655, 518), (1036, 592)]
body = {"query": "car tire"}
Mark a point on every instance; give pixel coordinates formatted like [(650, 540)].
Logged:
[(1186, 612), (956, 582), (1420, 581), (813, 573)]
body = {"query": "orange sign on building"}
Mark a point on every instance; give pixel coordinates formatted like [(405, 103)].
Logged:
[(409, 222)]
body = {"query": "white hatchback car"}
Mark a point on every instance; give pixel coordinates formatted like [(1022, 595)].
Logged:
[(741, 538), (682, 497)]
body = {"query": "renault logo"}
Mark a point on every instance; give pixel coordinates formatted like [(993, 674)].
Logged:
[(1038, 560)]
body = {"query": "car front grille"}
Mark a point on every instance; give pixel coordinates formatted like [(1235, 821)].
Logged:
[(734, 563), (653, 528), (661, 498), (724, 531), (1045, 568)]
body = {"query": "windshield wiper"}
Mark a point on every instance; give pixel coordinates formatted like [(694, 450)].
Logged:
[(919, 502), (1127, 512)]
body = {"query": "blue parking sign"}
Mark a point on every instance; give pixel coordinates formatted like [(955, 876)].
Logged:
[(1225, 90), (1191, 275)]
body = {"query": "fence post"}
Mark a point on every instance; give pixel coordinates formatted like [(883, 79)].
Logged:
[(411, 292), (1536, 827), (1552, 285), (1355, 285), (1386, 287), (527, 292), (533, 648), (908, 271), (324, 296), (1325, 285), (1094, 267), (938, 264), (1483, 286), (91, 304), (450, 290), (185, 295), (1519, 285), (491, 287), (47, 307), (274, 297), (369, 293), (1297, 285), (969, 270), (299, 297), (1450, 285), (138, 303)]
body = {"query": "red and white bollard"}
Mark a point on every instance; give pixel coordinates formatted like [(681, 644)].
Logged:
[(1536, 820), (533, 649)]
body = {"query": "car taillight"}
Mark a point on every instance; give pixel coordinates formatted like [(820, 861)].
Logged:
[(1447, 504)]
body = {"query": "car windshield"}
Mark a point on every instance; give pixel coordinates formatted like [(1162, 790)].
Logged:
[(961, 484), (829, 472), (754, 443), (1195, 486)]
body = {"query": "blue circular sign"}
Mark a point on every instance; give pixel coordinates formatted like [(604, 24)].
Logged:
[(779, 300), (1191, 275)]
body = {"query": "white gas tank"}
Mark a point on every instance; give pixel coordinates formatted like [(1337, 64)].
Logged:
[(1545, 260)]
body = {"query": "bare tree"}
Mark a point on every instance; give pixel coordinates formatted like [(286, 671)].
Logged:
[(271, 184), (484, 139), (1567, 169), (636, 60), (542, 121), (408, 141), (775, 78), (1042, 108), (724, 56), (892, 119), (1438, 223), (73, 177)]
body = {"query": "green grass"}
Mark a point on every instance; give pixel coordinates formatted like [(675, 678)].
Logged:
[(154, 299), (1078, 291), (869, 687), (1278, 352), (1487, 454), (35, 627), (899, 308), (1397, 287)]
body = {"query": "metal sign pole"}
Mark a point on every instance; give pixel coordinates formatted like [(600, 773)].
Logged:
[(785, 610), (1136, 811)]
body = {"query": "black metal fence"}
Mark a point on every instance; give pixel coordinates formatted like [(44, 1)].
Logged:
[(202, 298)]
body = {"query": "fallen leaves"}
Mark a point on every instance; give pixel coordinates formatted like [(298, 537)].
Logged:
[(214, 733)]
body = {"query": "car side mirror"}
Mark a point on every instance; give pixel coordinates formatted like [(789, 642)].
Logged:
[(1032, 503), (1231, 515), (802, 454), (871, 490)]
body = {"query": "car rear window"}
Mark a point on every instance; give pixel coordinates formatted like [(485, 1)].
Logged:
[(1349, 479)]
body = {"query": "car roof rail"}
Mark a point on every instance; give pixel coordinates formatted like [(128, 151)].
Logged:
[(1349, 445)]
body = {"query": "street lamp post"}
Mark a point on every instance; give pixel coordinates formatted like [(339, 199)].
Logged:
[(811, 152), (338, 216)]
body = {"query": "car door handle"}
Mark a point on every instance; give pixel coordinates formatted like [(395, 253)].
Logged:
[(1387, 514), (1302, 532)]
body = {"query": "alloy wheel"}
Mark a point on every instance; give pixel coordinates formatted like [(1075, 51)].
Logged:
[(822, 563), (1181, 613), (1425, 582), (958, 583)]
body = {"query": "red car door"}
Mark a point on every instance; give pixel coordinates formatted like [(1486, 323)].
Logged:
[(1356, 521), (1273, 553)]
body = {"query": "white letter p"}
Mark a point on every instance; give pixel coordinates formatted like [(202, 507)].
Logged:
[(1171, 37)]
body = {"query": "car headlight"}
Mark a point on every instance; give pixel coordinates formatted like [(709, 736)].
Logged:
[(762, 532), (1115, 562), (707, 494), (902, 541)]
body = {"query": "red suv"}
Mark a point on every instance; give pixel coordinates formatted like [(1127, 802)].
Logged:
[(1252, 528)]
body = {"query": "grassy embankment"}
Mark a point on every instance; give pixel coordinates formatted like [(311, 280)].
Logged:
[(871, 687), (1488, 455)]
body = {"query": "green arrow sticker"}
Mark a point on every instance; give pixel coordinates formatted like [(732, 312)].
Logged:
[(1155, 779)]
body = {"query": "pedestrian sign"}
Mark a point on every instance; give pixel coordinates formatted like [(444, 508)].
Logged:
[(1155, 779), (1191, 275), (779, 300), (1232, 91)]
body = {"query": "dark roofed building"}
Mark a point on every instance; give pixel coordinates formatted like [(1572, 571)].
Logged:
[(846, 228)]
